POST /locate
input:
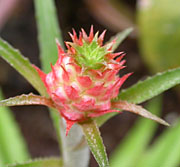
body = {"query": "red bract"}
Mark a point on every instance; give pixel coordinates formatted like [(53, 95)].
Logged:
[(84, 79)]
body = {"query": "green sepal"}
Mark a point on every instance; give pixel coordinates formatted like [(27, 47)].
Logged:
[(90, 55)]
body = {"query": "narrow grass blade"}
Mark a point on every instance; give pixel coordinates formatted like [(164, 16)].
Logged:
[(95, 143), (2, 160), (119, 37), (134, 144), (48, 30), (22, 65), (29, 99), (147, 89), (12, 145), (44, 162), (165, 151)]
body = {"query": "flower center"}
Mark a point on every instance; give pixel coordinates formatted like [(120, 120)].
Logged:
[(90, 55)]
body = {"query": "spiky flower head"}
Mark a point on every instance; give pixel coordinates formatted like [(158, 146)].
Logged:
[(84, 79)]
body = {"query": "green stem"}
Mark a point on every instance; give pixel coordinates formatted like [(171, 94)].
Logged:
[(75, 150)]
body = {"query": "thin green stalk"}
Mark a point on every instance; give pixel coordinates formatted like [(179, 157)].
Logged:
[(75, 150)]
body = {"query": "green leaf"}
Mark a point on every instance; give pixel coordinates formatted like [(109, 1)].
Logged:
[(22, 65), (137, 139), (119, 37), (29, 99), (137, 109), (44, 162), (147, 89), (159, 33), (12, 144), (48, 30), (165, 151), (95, 143), (1, 159), (152, 86)]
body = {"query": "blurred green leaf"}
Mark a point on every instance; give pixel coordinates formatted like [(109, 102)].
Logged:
[(119, 37), (147, 89), (134, 144), (29, 99), (22, 65), (48, 30), (12, 144), (44, 162), (94, 140), (165, 151), (2, 163), (159, 31)]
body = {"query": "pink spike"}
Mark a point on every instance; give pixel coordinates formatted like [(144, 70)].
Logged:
[(60, 49), (80, 39), (71, 50), (114, 55), (72, 37), (75, 36), (122, 80), (68, 46), (91, 34), (65, 74), (69, 125), (122, 62), (84, 35), (110, 45), (101, 38), (120, 58), (54, 72), (41, 73), (114, 66), (61, 52)]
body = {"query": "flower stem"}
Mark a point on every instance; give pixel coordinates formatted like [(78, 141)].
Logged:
[(74, 149)]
